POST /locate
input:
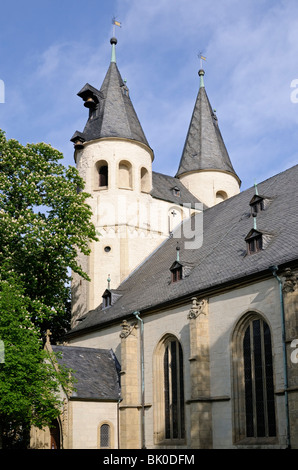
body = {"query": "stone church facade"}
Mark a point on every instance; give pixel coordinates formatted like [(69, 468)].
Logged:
[(186, 337)]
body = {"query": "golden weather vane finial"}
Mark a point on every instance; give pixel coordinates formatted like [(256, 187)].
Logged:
[(201, 57), (115, 23)]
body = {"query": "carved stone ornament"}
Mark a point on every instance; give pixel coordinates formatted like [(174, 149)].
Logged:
[(290, 282), (198, 308), (127, 328)]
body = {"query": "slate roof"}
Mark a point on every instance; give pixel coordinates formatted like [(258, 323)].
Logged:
[(113, 114), (222, 258), (204, 148), (162, 188), (96, 371)]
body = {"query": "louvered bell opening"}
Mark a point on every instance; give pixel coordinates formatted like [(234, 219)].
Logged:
[(90, 103), (78, 144)]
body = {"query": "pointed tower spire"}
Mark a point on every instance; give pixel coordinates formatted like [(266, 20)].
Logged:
[(111, 111), (204, 149)]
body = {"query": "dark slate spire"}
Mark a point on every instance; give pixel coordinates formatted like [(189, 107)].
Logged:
[(111, 112), (204, 148)]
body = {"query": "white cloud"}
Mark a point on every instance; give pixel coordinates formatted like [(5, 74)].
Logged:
[(251, 48)]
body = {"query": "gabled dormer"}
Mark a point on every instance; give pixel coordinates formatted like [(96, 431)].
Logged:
[(176, 271), (257, 204), (254, 241), (109, 297)]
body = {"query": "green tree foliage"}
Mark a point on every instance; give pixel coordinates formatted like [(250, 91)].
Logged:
[(44, 222), (29, 382)]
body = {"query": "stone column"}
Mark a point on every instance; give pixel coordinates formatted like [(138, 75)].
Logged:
[(130, 388), (200, 404), (290, 293)]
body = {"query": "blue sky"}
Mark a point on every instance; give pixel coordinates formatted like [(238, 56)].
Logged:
[(50, 49)]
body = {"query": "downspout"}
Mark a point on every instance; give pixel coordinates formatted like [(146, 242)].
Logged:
[(274, 269), (142, 381)]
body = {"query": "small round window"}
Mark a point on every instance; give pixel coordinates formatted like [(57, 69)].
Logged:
[(107, 249)]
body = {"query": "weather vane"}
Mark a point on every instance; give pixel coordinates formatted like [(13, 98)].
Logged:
[(201, 57), (115, 23)]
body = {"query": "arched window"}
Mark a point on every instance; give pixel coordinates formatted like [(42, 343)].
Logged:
[(221, 196), (101, 175), (145, 182), (125, 175), (105, 435), (254, 412), (169, 392)]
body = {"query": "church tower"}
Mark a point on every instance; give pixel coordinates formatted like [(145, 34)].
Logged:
[(115, 160), (205, 167)]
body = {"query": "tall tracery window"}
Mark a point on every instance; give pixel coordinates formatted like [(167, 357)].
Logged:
[(169, 392), (255, 404)]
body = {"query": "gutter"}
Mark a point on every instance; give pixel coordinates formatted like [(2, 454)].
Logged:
[(274, 270), (142, 381)]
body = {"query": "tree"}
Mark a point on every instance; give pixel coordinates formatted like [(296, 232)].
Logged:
[(29, 384), (44, 222)]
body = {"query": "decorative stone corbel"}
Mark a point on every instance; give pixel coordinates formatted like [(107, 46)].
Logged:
[(198, 307), (127, 328), (290, 283)]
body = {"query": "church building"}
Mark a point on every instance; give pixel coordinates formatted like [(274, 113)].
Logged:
[(186, 336)]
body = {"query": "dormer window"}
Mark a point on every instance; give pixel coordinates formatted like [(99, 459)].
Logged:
[(109, 297), (257, 204), (176, 191), (254, 242), (176, 271), (106, 299)]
